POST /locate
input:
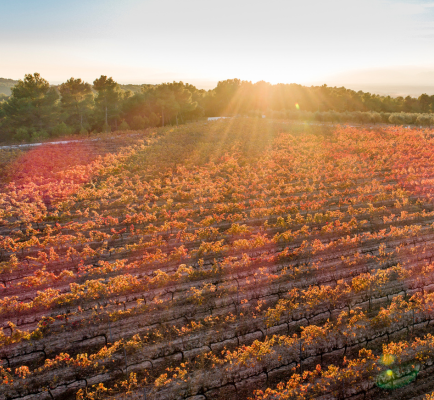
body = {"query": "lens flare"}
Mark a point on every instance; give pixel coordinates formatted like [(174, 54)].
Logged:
[(297, 106), (398, 375)]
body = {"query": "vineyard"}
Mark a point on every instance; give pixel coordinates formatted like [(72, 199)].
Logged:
[(232, 259)]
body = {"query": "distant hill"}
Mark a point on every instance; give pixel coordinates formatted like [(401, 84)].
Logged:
[(6, 85), (393, 90)]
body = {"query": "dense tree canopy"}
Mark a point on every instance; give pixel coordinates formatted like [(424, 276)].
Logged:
[(32, 107), (35, 109), (77, 101), (107, 99)]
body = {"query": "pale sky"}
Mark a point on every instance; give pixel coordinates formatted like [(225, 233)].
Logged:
[(337, 42)]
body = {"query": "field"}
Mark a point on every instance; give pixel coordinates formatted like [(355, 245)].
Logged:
[(231, 259)]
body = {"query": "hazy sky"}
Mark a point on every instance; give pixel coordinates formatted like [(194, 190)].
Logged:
[(374, 42)]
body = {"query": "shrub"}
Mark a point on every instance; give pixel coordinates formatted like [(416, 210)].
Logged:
[(424, 120), (124, 126), (154, 119), (140, 122), (39, 135), (385, 116), (106, 128), (22, 135), (375, 117), (397, 119), (61, 130)]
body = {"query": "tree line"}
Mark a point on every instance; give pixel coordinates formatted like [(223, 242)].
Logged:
[(357, 117), (36, 110)]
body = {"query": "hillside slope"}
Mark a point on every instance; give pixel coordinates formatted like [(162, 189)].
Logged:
[(228, 259)]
